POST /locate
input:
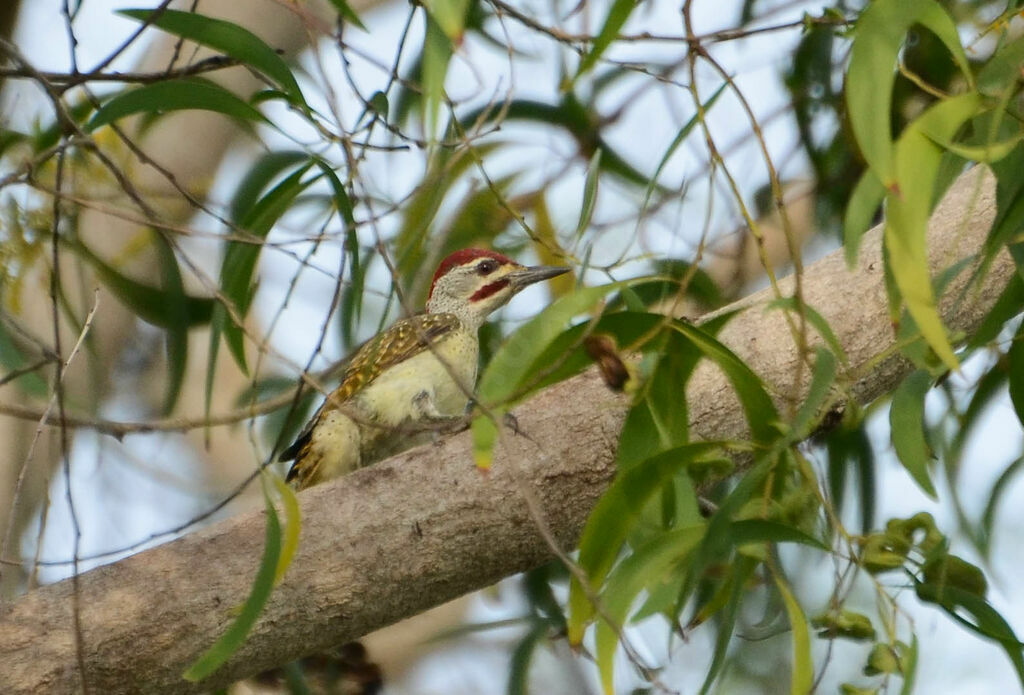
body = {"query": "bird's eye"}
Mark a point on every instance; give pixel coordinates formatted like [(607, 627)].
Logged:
[(486, 267)]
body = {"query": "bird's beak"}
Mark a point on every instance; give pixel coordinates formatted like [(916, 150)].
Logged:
[(518, 279)]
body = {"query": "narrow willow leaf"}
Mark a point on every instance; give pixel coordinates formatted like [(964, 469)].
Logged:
[(292, 526), (1002, 69), (342, 203), (917, 161), (761, 414), (683, 133), (379, 103), (13, 359), (226, 37), (437, 53), (740, 572), (450, 15), (176, 332), (879, 34), (148, 303), (549, 249), (994, 497), (764, 531), (617, 16), (346, 12), (240, 258), (821, 386), (612, 518), (262, 585), (11, 138), (977, 615), (990, 152), (264, 170), (867, 197), (909, 667), (816, 320), (174, 95), (589, 193), (717, 542), (803, 667), (522, 655), (906, 418), (1015, 355), (511, 367), (644, 568), (1006, 307)]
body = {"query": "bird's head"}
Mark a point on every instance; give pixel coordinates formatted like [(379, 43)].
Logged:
[(472, 283)]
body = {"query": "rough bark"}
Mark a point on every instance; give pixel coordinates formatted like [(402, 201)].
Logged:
[(425, 526)]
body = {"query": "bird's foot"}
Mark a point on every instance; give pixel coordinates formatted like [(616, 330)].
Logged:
[(512, 422)]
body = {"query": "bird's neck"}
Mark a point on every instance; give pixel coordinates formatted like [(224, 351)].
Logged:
[(467, 314)]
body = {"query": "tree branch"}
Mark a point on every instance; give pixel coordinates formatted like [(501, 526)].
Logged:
[(425, 526)]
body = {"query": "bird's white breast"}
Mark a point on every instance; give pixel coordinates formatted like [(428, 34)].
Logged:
[(446, 371)]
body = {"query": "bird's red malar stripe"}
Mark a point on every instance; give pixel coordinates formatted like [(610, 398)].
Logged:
[(487, 290)]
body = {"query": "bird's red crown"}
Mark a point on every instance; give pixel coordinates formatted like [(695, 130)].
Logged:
[(463, 256)]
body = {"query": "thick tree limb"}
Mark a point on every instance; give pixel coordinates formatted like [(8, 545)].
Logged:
[(425, 526)]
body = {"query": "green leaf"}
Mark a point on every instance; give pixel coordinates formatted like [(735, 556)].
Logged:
[(511, 367), (616, 19), (1008, 305), (995, 496), (1002, 69), (522, 655), (437, 53), (717, 542), (989, 152), (379, 103), (13, 359), (347, 13), (817, 321), (264, 170), (878, 37), (906, 418), (292, 526), (803, 666), (867, 197), (450, 16), (644, 568), (917, 161), (240, 260), (340, 199), (178, 322), (674, 145), (173, 95), (821, 386), (740, 572), (764, 531), (909, 667), (589, 193), (1015, 355), (613, 516), (262, 586), (148, 303), (761, 414), (226, 37), (984, 619)]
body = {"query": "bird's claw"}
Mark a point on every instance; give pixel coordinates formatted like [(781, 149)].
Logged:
[(512, 422)]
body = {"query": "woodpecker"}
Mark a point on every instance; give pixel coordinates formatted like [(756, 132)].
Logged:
[(419, 372)]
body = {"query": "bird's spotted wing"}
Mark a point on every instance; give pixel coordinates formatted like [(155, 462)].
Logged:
[(401, 341)]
